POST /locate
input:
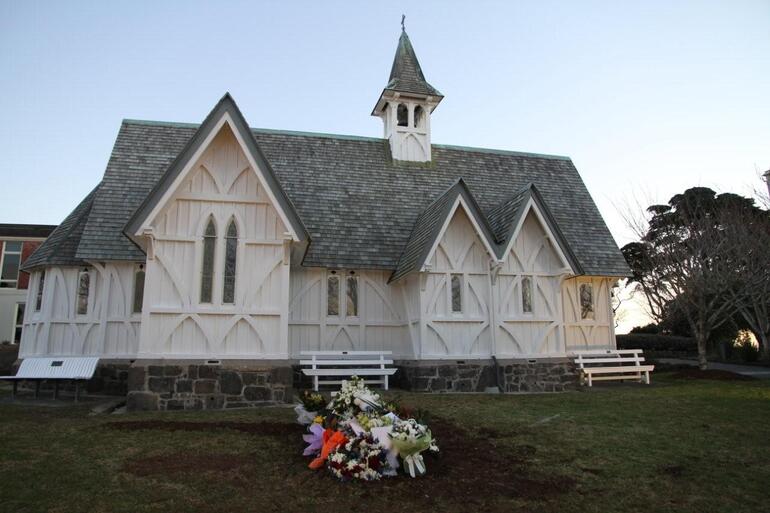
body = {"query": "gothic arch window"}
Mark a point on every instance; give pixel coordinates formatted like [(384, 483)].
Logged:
[(419, 117), (207, 266), (231, 247), (138, 289), (402, 115)]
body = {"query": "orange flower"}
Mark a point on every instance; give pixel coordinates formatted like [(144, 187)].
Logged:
[(332, 440)]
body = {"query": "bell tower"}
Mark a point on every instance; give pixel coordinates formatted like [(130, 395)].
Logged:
[(406, 104)]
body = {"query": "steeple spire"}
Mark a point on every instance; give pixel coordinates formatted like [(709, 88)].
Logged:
[(406, 103)]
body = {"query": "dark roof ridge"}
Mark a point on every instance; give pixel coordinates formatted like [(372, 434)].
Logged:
[(349, 137)]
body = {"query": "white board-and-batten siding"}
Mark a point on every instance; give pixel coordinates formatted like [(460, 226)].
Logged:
[(222, 186), (280, 310), (109, 329)]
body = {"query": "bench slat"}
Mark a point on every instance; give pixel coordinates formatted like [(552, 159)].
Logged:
[(348, 372), (611, 360), (626, 370), (345, 353), (319, 363)]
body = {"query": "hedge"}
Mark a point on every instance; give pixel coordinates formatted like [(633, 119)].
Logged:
[(657, 342)]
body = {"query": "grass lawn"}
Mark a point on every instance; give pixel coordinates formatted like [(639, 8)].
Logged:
[(678, 445)]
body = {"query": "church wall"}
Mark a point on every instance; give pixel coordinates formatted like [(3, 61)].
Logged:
[(108, 329), (447, 333), (377, 322), (177, 322), (594, 330), (528, 310)]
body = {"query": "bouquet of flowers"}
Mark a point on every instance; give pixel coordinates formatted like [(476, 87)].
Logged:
[(360, 437), (353, 398), (410, 439), (361, 457), (310, 404)]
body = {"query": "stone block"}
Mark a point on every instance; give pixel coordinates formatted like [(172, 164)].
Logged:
[(141, 401), (192, 372), (278, 395), (255, 393), (253, 378), (213, 402), (230, 382), (175, 404), (184, 386), (421, 384), (172, 370), (205, 386), (136, 378), (207, 372), (447, 371), (438, 385), (463, 385), (281, 376), (155, 370), (95, 385), (426, 372), (161, 385)]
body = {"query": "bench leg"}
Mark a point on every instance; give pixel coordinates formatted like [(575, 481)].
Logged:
[(590, 382), (15, 390), (37, 389), (386, 381), (647, 377), (315, 383), (77, 391)]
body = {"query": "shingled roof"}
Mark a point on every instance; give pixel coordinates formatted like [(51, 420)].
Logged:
[(359, 207), (406, 74), (61, 246)]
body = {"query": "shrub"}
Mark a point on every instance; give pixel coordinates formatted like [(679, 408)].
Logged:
[(647, 329), (657, 342), (746, 348)]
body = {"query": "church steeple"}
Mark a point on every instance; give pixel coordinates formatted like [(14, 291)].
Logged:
[(406, 104)]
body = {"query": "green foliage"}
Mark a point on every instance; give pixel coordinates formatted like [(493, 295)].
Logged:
[(657, 342)]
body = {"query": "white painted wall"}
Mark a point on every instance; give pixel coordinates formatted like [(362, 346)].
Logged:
[(380, 325), (109, 329), (222, 185), (447, 334), (596, 333)]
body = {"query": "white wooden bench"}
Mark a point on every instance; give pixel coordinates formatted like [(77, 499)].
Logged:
[(613, 364), (70, 368), (337, 364)]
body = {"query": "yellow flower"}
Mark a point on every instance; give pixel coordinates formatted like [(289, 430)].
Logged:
[(318, 420)]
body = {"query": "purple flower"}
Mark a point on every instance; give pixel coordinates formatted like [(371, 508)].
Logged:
[(315, 439)]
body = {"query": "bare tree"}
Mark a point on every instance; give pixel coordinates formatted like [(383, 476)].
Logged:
[(747, 231), (678, 261)]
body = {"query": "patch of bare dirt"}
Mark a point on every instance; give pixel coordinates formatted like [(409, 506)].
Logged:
[(185, 462), (715, 374), (474, 469), (254, 428)]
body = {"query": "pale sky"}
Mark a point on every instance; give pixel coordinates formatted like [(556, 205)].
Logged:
[(648, 98)]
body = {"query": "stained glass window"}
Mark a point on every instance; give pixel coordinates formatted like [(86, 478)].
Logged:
[(84, 285), (457, 294), (526, 294), (586, 301), (352, 297), (39, 298), (333, 295), (231, 246), (138, 289), (207, 269)]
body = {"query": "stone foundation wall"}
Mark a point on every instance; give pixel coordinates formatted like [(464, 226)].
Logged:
[(551, 375), (198, 387)]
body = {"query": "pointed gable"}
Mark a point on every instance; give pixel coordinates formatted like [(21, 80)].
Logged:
[(432, 223), (225, 119), (508, 217)]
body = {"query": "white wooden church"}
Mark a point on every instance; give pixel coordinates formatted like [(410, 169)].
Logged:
[(219, 245)]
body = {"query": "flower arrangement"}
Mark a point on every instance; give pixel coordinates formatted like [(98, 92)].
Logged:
[(361, 458), (310, 404), (358, 436)]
